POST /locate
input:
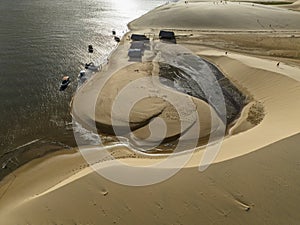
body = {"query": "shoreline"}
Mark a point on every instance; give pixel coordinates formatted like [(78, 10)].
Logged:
[(131, 30), (255, 169), (7, 164)]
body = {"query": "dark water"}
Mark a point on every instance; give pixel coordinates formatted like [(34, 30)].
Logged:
[(40, 41)]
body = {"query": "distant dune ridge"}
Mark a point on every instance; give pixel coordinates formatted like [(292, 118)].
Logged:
[(254, 178), (218, 15), (295, 6)]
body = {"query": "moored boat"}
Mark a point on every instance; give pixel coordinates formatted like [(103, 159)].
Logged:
[(64, 83)]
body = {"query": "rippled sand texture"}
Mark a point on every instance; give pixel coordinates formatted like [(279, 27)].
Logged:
[(253, 178)]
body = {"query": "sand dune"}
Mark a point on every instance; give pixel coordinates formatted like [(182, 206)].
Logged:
[(257, 188), (260, 186), (262, 1), (275, 92), (253, 179), (295, 6), (128, 97), (221, 16)]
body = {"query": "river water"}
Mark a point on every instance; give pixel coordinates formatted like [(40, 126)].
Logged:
[(40, 41)]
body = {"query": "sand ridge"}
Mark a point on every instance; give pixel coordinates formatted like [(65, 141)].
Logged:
[(219, 16), (131, 98), (253, 180), (295, 6)]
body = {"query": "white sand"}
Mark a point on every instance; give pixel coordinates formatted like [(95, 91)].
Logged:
[(221, 16), (254, 178)]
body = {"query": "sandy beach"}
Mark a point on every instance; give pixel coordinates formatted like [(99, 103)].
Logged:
[(242, 172)]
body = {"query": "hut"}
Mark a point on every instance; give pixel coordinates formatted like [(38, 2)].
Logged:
[(139, 37), (137, 45), (135, 55), (167, 36)]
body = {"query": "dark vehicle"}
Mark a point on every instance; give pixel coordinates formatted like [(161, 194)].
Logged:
[(64, 83)]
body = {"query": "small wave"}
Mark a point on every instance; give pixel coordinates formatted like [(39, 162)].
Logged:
[(84, 136), (24, 145)]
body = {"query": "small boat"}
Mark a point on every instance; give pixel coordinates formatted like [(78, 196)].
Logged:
[(64, 83), (117, 39), (91, 66), (90, 49), (82, 76)]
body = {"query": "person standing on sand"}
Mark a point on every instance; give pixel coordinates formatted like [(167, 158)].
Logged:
[(278, 64)]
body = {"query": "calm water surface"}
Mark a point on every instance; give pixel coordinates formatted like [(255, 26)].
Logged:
[(40, 41)]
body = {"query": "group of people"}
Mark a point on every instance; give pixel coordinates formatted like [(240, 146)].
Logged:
[(222, 2)]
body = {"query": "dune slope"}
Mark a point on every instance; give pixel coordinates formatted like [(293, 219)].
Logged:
[(218, 16)]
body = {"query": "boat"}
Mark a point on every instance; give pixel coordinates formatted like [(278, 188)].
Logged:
[(64, 83), (91, 66), (82, 76), (117, 39), (90, 49)]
